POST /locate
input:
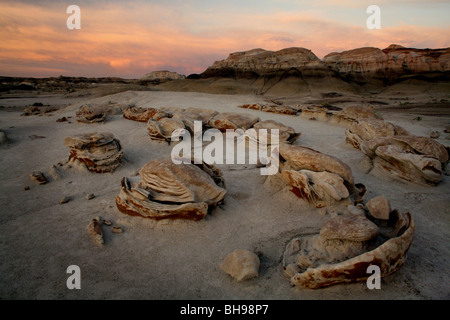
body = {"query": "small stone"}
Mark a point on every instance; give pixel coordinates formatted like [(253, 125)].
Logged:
[(96, 231), (64, 199), (116, 230), (241, 265), (26, 188), (90, 196), (434, 134), (106, 222), (379, 207), (38, 177)]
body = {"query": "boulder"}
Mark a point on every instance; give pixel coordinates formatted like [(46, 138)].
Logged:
[(241, 265)]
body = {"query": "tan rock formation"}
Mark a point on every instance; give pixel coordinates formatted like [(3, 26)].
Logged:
[(144, 114), (168, 190), (231, 120), (299, 158), (364, 63), (162, 129), (342, 252), (99, 152), (91, 114), (286, 134)]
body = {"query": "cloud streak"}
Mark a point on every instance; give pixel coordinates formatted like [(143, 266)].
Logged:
[(126, 39)]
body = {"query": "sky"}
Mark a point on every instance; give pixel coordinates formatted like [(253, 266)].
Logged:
[(128, 39)]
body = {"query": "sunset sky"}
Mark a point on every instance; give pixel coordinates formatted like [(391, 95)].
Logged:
[(131, 38)]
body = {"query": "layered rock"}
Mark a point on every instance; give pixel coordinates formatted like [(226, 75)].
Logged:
[(168, 190), (346, 246), (392, 149), (230, 120), (259, 62), (360, 66), (91, 114), (161, 76), (388, 64), (99, 152), (162, 129), (271, 108), (144, 114), (320, 179)]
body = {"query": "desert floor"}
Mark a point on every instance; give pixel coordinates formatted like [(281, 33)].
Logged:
[(40, 238)]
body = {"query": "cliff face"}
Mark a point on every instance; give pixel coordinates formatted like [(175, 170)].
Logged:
[(259, 63), (364, 64), (360, 66), (162, 76)]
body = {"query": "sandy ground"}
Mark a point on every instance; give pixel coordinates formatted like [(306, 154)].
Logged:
[(181, 259)]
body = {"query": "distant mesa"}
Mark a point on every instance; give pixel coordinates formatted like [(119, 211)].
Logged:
[(161, 76), (367, 65)]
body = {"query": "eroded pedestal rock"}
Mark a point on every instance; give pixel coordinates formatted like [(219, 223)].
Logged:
[(345, 247), (99, 152), (168, 190)]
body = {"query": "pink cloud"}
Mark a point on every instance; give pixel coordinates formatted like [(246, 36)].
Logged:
[(129, 40)]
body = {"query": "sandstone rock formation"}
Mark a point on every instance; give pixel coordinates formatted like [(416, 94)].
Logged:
[(99, 152), (271, 108), (190, 115), (393, 149), (161, 76), (260, 62), (241, 265), (230, 120), (320, 179), (363, 64), (297, 70), (162, 129), (144, 114), (345, 247), (286, 134), (37, 110), (168, 190), (91, 114)]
